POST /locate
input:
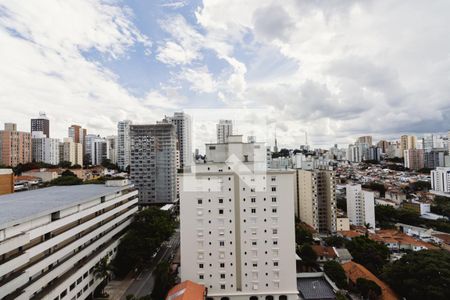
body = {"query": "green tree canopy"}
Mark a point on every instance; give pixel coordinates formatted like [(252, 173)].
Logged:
[(307, 254), (368, 289), (302, 235), (66, 180), (421, 275), (164, 281), (336, 273), (370, 254), (335, 241)]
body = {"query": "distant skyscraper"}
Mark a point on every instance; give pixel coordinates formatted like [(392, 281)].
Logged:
[(224, 130), (237, 224), (42, 123), (367, 139), (111, 148), (360, 206), (316, 204), (383, 145), (183, 128), (44, 149), (123, 144), (95, 149), (407, 142), (78, 135), (15, 146), (414, 159), (153, 162)]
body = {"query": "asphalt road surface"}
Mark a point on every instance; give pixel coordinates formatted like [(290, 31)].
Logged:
[(143, 284)]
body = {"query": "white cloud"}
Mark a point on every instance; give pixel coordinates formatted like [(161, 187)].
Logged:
[(43, 68), (199, 79)]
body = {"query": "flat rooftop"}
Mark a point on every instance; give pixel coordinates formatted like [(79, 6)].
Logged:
[(20, 207), (315, 288)]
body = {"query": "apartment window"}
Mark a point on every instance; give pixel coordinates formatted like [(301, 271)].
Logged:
[(275, 242), (274, 231), (220, 211), (274, 210), (222, 276), (274, 189), (222, 286), (221, 243), (252, 190), (201, 276), (274, 199), (199, 201), (275, 264), (253, 200), (222, 265), (200, 266), (255, 264), (220, 200), (254, 243), (253, 210), (273, 178)]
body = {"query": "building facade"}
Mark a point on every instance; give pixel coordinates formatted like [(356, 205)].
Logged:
[(224, 130), (316, 202), (42, 123), (111, 148), (71, 152), (237, 226), (367, 139), (360, 206), (123, 144), (440, 180), (44, 149), (96, 150), (414, 159), (153, 162), (51, 238), (78, 135), (6, 181), (183, 128), (15, 146)]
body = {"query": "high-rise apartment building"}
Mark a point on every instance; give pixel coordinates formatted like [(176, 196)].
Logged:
[(434, 158), (111, 148), (414, 159), (42, 123), (237, 224), (15, 146), (316, 203), (367, 139), (71, 152), (224, 130), (44, 149), (183, 128), (78, 135), (95, 149), (360, 206), (407, 142), (123, 144), (440, 180), (383, 145), (52, 238), (153, 162)]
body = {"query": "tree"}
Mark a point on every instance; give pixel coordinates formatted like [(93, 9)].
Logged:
[(163, 282), (368, 289), (336, 273), (370, 254), (66, 180), (375, 186), (421, 275), (335, 241), (65, 164), (308, 256), (68, 173), (302, 235), (102, 270), (148, 230)]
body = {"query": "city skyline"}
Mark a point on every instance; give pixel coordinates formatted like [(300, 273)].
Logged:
[(141, 61)]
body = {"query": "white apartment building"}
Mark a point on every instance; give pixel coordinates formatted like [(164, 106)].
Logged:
[(44, 149), (316, 199), (70, 151), (51, 238), (183, 128), (237, 224), (440, 180), (224, 130), (360, 206), (95, 149), (111, 148), (123, 144)]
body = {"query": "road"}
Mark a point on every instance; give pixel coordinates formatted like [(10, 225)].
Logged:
[(143, 284)]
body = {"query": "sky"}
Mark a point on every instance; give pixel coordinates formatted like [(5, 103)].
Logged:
[(335, 69)]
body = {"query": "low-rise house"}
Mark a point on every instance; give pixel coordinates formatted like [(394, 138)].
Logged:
[(46, 175), (398, 241), (324, 253), (353, 271), (343, 255)]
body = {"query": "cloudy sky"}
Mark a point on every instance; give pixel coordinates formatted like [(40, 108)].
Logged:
[(333, 68)]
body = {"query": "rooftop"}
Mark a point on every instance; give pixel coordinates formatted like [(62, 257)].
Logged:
[(23, 206), (187, 290), (315, 288)]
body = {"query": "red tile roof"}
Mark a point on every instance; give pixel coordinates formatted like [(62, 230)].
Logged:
[(187, 290)]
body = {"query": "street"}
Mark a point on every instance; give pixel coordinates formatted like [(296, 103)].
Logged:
[(143, 284)]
